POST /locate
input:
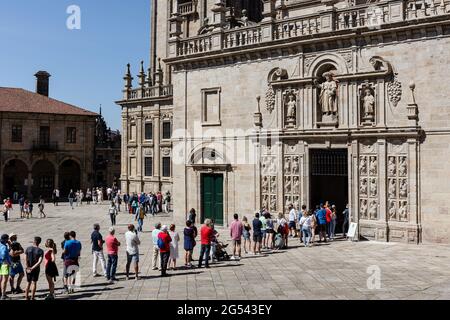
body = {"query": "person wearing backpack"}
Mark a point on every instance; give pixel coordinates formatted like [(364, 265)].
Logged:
[(156, 253), (164, 241)]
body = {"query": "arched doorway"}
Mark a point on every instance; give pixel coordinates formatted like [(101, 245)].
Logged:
[(15, 173), (43, 174), (69, 177)]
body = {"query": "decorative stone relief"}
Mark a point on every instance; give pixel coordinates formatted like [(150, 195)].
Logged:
[(368, 146), (328, 98), (368, 186), (290, 108), (291, 180), (394, 89), (348, 58), (165, 151), (148, 152), (132, 152), (269, 182), (397, 193), (367, 102), (308, 61), (270, 99)]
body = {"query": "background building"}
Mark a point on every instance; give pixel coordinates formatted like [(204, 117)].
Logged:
[(293, 101), (44, 143)]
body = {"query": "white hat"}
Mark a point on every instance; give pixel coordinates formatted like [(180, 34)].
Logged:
[(164, 228), (111, 230)]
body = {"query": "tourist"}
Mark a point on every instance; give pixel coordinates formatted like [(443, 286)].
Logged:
[(94, 196), (189, 243), (159, 201), (21, 206), (345, 222), (305, 225), (262, 218), (283, 229), (206, 233), (97, 250), (236, 230), (214, 237), (118, 201), (77, 198), (156, 252), (192, 216), (30, 210), (72, 252), (133, 242), (100, 195), (34, 256), (63, 243), (313, 226), (292, 219), (126, 198), (5, 210), (41, 207), (15, 249), (81, 197), (173, 247), (269, 231), (140, 216), (322, 223), (164, 241), (71, 198), (257, 234), (300, 217), (112, 213), (88, 196), (328, 218), (333, 222), (112, 248), (246, 235), (134, 206), (54, 197), (5, 264), (51, 271), (167, 199)]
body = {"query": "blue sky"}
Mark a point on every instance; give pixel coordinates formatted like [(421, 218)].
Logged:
[(87, 65)]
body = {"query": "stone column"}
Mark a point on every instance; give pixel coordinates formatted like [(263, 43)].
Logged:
[(139, 153), (413, 185), (382, 185), (156, 146), (124, 151), (354, 186)]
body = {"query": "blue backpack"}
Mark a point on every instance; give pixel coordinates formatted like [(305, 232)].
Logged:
[(160, 243)]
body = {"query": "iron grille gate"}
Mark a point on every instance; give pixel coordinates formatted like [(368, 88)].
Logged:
[(329, 162)]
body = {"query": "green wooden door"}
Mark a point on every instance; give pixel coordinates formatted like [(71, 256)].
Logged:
[(212, 197)]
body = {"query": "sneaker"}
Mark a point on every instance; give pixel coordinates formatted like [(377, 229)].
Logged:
[(5, 297), (49, 297), (232, 258), (154, 268), (111, 281), (18, 291)]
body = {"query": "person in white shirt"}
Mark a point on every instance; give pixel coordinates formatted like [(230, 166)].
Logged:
[(155, 234), (305, 225), (133, 242), (292, 220)]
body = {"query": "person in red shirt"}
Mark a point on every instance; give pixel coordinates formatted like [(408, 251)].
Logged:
[(206, 234), (165, 250), (328, 217), (112, 248)]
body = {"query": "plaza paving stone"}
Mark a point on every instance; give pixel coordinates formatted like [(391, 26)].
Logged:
[(337, 270)]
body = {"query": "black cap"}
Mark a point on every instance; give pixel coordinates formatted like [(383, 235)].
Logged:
[(4, 238)]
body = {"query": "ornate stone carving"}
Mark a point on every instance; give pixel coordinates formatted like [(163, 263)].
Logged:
[(373, 210), (270, 99), (373, 187), (368, 146), (265, 185), (287, 185), (392, 189), (287, 165), (165, 151), (148, 152), (402, 167), (295, 165), (403, 188), (363, 186), (394, 89), (392, 167), (273, 184), (348, 58), (363, 165), (373, 167), (392, 211), (368, 105), (363, 209), (403, 211), (296, 185), (273, 203), (132, 152), (265, 201), (290, 105), (308, 61)]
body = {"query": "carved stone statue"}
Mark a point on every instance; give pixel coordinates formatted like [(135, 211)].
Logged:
[(402, 167), (287, 165), (291, 109), (373, 210), (265, 185), (373, 167), (363, 186), (403, 188), (295, 166), (296, 185), (272, 166), (392, 167), (273, 184), (368, 105), (392, 211), (373, 187), (392, 189), (265, 201), (363, 209), (403, 211), (363, 165), (273, 203), (327, 98), (287, 185)]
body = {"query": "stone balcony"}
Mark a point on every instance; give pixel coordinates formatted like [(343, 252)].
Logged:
[(187, 8), (162, 91), (371, 16)]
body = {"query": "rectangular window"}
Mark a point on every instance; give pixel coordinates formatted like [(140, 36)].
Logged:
[(16, 133), (148, 166), (166, 167), (149, 131), (167, 130), (44, 136), (211, 106), (71, 135)]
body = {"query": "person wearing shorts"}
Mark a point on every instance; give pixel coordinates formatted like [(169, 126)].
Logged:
[(189, 243), (236, 230), (34, 257), (72, 251), (246, 234), (257, 234), (16, 269), (5, 263), (133, 242)]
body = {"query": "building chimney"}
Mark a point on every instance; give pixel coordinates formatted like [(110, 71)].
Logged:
[(42, 82)]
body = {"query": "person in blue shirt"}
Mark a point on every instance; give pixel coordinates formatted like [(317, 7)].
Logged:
[(72, 251), (5, 263), (322, 222)]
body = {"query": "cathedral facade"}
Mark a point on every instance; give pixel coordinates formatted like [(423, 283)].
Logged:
[(272, 103)]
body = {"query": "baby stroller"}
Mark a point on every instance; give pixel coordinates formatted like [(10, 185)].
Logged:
[(278, 241), (221, 252)]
